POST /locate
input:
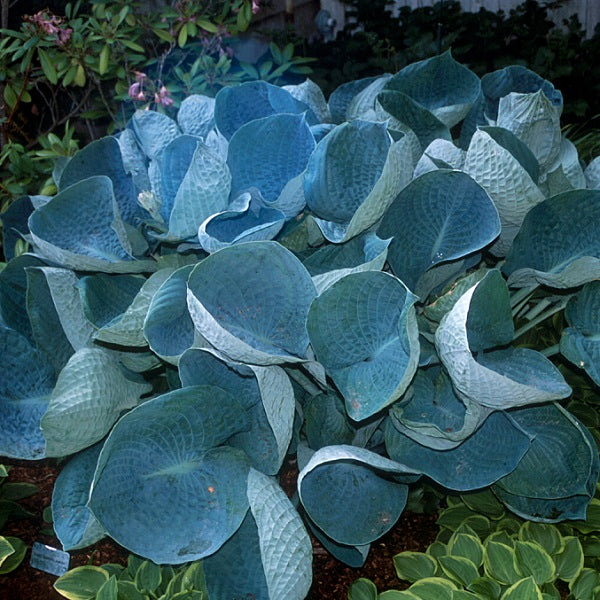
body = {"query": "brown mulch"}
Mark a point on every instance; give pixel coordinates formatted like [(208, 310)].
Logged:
[(331, 579)]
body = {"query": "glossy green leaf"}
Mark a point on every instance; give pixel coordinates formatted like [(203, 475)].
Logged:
[(433, 588), (363, 330), (459, 569), (570, 560), (535, 562), (81, 583), (543, 534), (500, 563), (525, 589), (412, 566)]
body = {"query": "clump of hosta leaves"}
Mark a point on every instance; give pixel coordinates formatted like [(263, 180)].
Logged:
[(481, 551), (275, 275)]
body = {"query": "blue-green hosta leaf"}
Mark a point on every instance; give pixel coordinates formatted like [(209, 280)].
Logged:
[(164, 474), (569, 168), (154, 131), (500, 173), (267, 153), (311, 94), (433, 415), (14, 224), (440, 84), (247, 219), (364, 331), (196, 115), (13, 293), (440, 154), (356, 482), (269, 557), (362, 106), (535, 120), (74, 524), (291, 200), (168, 326), (353, 176), (57, 316), (342, 96), (326, 422), (195, 184), (91, 393), (580, 342), (592, 174), (559, 242), (106, 297), (238, 105), (500, 379), (268, 398), (407, 114), (250, 301), (439, 217), (488, 454), (332, 262), (557, 477), (321, 130), (86, 235), (103, 157), (353, 556), (128, 328), (25, 389), (134, 159)]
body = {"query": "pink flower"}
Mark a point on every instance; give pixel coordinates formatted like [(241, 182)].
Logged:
[(255, 6), (163, 98), (135, 92), (140, 77)]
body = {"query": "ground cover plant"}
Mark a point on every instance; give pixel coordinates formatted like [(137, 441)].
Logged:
[(345, 281)]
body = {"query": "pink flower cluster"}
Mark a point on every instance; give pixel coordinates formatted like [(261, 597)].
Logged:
[(136, 91), (48, 23), (255, 6)]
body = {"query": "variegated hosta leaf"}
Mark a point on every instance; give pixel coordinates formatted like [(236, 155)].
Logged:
[(557, 477), (503, 177), (500, 379), (363, 330), (270, 556), (74, 524), (356, 482), (439, 217), (267, 396), (250, 302), (165, 474), (559, 242), (580, 342), (91, 393), (441, 85), (25, 389)]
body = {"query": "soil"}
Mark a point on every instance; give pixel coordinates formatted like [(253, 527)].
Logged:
[(331, 579)]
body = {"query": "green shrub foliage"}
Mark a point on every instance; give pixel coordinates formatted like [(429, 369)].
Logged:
[(345, 281)]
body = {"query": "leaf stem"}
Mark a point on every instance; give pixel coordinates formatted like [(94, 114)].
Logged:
[(520, 297), (541, 317), (551, 351)]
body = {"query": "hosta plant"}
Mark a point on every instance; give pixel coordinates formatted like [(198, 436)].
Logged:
[(346, 282)]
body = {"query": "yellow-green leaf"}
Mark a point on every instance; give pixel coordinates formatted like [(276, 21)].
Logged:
[(183, 36), (79, 78), (104, 58), (81, 583), (207, 25), (10, 97)]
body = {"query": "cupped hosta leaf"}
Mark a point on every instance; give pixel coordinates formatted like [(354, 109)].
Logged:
[(557, 477), (168, 326), (592, 174), (493, 161), (127, 329), (332, 262), (246, 220), (363, 330), (195, 184), (81, 228), (488, 454), (407, 114), (439, 217), (196, 115), (269, 557), (164, 474), (440, 154), (14, 224), (266, 394), (342, 96), (103, 157), (500, 379), (13, 293), (267, 153), (291, 200), (353, 176), (250, 301), (153, 131), (353, 556), (535, 120), (354, 481), (310, 94), (559, 242), (90, 394), (567, 174), (25, 389), (74, 524), (238, 105), (440, 84), (433, 415), (134, 159), (326, 422), (580, 342), (362, 106)]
